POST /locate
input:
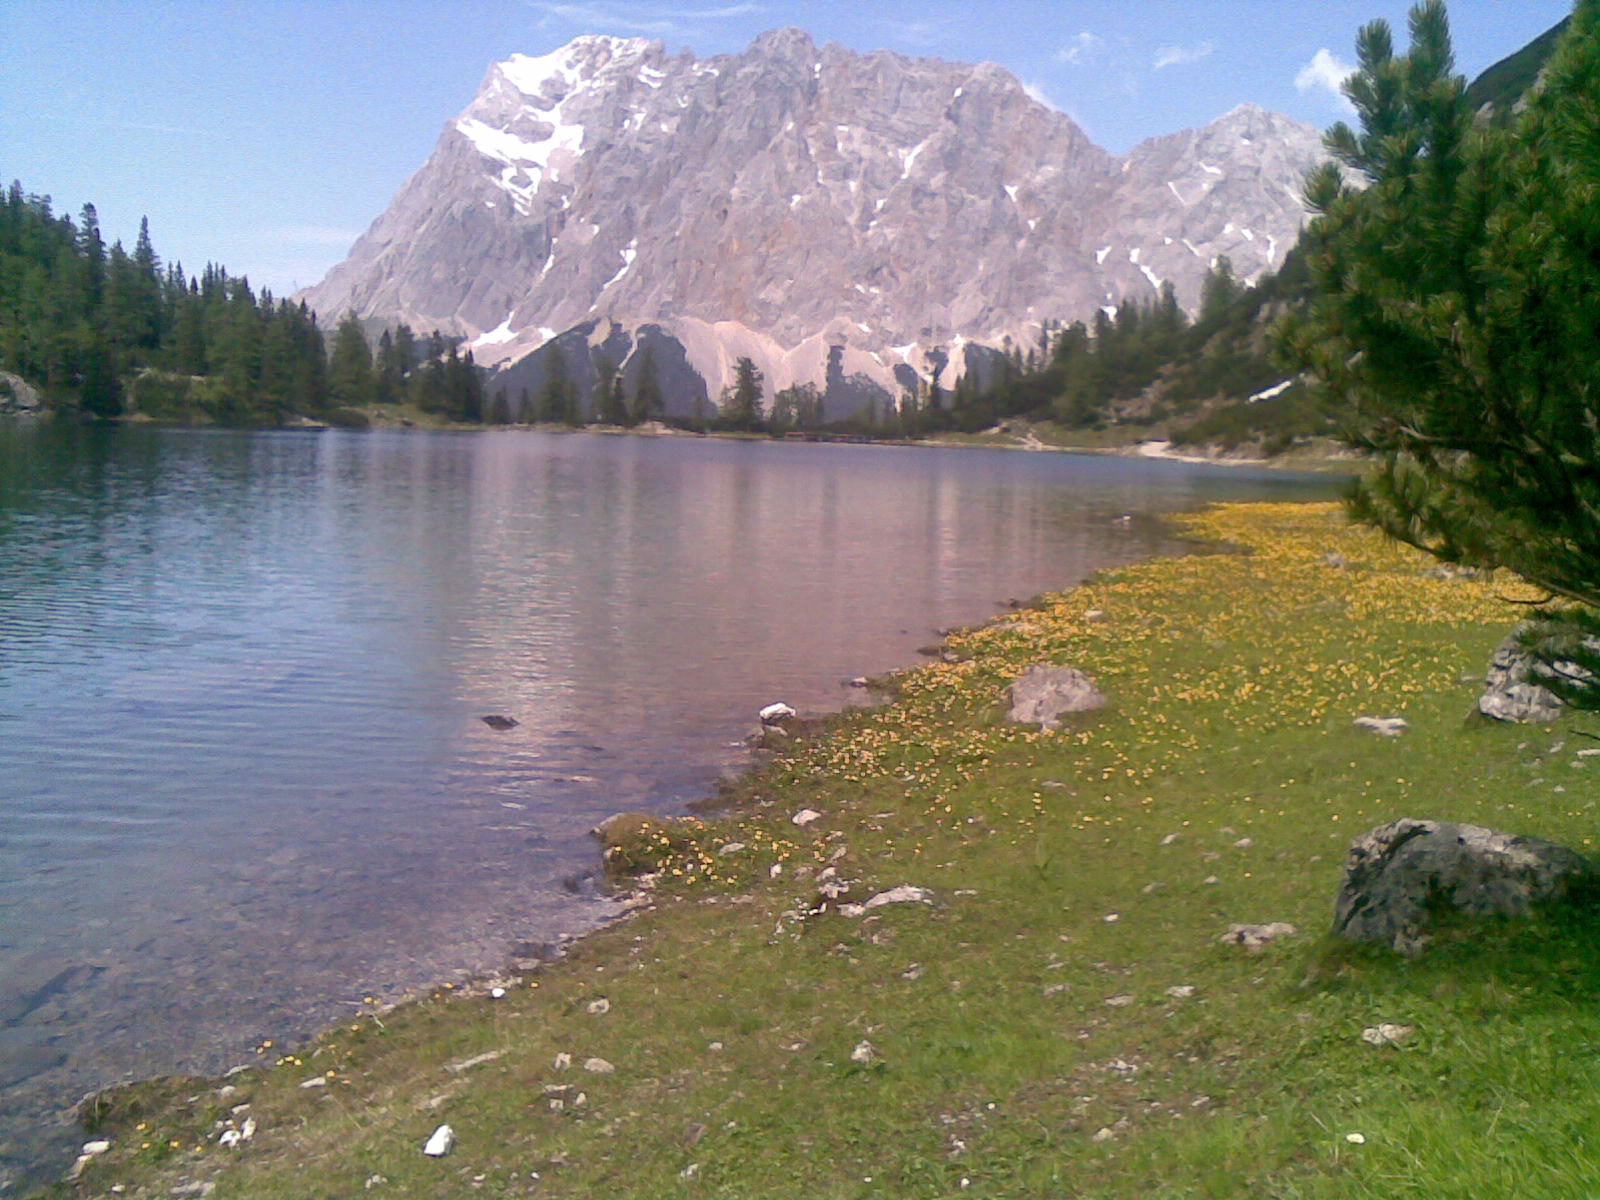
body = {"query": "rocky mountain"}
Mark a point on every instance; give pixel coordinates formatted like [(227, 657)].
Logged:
[(837, 217)]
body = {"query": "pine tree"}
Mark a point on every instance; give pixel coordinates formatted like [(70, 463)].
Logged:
[(610, 407), (741, 402), (558, 399), (350, 378), (1456, 311), (648, 402), (1219, 289)]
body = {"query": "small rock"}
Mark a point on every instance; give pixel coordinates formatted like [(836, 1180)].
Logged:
[(598, 1066), (477, 1060), (440, 1143), (730, 848), (860, 681), (776, 714), (1111, 918), (1514, 685), (1119, 1001), (904, 894), (1254, 937), (90, 1149), (1389, 727), (497, 993), (598, 1008), (1356, 1139), (775, 870), (563, 1062), (317, 1081), (1169, 839), (1385, 1035), (1104, 1134), (1244, 843), (690, 1171), (1334, 559), (193, 1190), (805, 816), (500, 723), (1181, 991), (865, 1053)]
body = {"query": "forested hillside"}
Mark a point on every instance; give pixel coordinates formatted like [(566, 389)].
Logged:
[(1150, 371), (105, 333)]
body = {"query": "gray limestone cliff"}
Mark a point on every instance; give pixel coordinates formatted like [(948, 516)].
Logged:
[(797, 205)]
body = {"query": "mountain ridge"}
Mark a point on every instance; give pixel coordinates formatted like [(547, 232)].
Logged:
[(791, 202)]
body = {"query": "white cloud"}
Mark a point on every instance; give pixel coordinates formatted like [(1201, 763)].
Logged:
[(1326, 73), (1037, 95), (1172, 56), (1080, 49)]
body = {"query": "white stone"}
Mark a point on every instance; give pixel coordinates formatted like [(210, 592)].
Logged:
[(1385, 1035), (865, 1053), (906, 893), (776, 714), (1389, 727), (440, 1143), (597, 1008), (1253, 937), (805, 816), (598, 1066)]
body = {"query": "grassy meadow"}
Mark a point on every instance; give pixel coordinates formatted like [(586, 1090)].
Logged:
[(1058, 1017)]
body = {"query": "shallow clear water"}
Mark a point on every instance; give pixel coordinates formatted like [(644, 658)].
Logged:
[(243, 779)]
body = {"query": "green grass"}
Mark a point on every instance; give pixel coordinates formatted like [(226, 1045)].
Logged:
[(1025, 1043)]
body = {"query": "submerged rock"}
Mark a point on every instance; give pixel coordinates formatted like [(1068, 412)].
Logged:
[(501, 723), (1401, 878)]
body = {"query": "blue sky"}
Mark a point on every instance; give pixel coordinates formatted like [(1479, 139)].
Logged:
[(266, 136)]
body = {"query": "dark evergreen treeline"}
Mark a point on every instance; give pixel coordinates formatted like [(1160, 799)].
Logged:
[(104, 332)]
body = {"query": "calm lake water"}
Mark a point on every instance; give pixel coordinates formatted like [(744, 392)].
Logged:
[(243, 779)]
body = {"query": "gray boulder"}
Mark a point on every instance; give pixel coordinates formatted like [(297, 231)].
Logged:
[(1400, 878), (1043, 695), (16, 396), (1513, 689)]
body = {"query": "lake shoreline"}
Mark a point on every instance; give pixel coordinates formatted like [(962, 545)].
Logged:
[(1113, 936), (1322, 455), (319, 743)]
